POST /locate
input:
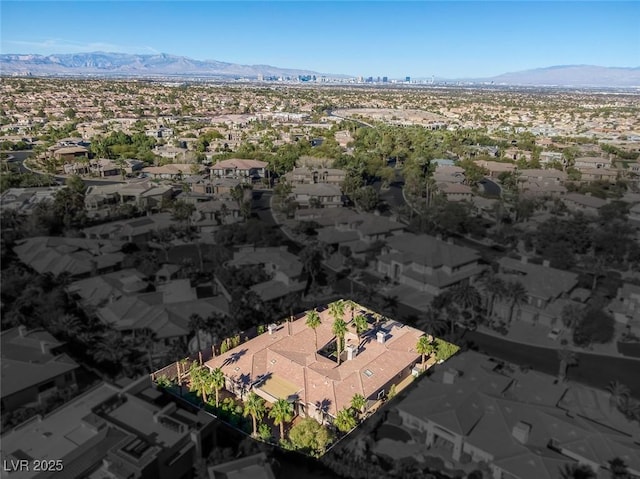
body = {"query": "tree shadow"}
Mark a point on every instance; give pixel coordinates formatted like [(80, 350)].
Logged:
[(233, 358)]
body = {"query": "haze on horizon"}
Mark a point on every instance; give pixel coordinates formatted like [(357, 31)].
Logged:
[(454, 39)]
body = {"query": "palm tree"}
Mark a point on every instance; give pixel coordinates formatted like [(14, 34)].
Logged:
[(313, 321), (336, 309), (577, 471), (466, 296), (200, 379), (217, 382), (619, 469), (497, 289), (196, 323), (281, 412), (618, 392), (517, 295), (424, 347), (344, 420), (339, 328), (358, 402), (254, 406), (567, 358), (361, 324), (352, 305), (432, 322)]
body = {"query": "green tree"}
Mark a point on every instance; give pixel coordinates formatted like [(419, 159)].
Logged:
[(425, 347), (361, 325), (217, 382), (444, 349), (345, 421), (313, 321), (200, 380), (281, 412), (310, 436), (618, 392), (358, 402), (576, 471), (254, 406), (596, 327), (517, 295), (366, 198), (618, 468)]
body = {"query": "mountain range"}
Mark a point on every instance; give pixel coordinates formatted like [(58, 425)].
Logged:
[(102, 64)]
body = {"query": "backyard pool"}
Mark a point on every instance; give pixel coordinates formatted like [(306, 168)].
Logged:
[(389, 431)]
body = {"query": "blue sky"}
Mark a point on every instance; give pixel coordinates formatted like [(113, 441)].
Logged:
[(454, 39)]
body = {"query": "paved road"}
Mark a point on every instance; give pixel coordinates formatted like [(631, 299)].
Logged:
[(593, 370)]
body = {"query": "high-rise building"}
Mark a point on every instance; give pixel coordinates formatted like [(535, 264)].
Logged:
[(407, 79)]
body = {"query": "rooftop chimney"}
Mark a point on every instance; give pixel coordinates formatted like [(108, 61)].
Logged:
[(22, 331), (352, 351), (45, 347), (546, 263), (524, 259), (521, 432), (272, 327), (381, 337)]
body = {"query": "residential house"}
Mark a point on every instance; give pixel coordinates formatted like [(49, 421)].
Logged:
[(67, 153), (160, 132), (284, 269), (256, 466), (325, 195), (96, 291), (33, 368), (591, 162), (549, 157), (626, 307), (455, 191), (216, 186), (547, 291), (165, 312), (496, 168), (143, 194), (172, 171), (111, 432), (540, 182), (74, 256), (516, 154), (249, 171), (216, 212), (310, 175), (599, 174), (448, 174), (24, 200), (585, 203), (523, 425), (425, 264), (292, 362)]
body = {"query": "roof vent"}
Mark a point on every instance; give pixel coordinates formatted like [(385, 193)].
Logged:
[(521, 432), (449, 376)]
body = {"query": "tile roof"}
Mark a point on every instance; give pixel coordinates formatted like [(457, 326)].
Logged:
[(539, 281), (430, 251), (319, 379)]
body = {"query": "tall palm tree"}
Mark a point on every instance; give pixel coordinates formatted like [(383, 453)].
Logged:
[(281, 412), (466, 295), (352, 305), (217, 382), (361, 325), (567, 358), (424, 347), (336, 309), (432, 322), (313, 321), (576, 471), (196, 323), (358, 402), (254, 406), (339, 328), (200, 379), (618, 392), (517, 295), (496, 288)]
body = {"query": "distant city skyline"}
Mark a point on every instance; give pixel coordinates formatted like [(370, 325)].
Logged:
[(420, 39)]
